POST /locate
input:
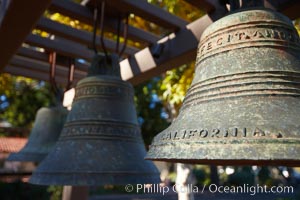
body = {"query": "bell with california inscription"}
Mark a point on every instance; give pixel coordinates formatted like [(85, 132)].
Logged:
[(243, 106), (44, 134), (101, 141)]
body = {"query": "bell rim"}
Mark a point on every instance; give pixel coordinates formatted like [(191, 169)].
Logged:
[(229, 154), (93, 179), (229, 162), (26, 157)]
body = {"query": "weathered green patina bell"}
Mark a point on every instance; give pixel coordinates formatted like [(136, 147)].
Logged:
[(101, 141), (243, 106), (44, 134)]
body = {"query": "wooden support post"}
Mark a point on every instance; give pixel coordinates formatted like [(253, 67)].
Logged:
[(75, 193)]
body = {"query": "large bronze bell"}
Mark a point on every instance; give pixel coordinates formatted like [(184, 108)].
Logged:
[(101, 141), (44, 134), (243, 106)]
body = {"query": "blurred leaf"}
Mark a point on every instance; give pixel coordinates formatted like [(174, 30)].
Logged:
[(24, 97)]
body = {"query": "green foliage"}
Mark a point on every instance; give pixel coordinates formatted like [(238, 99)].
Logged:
[(174, 86), (24, 97), (201, 173), (6, 84), (264, 176), (242, 175), (175, 83), (179, 8), (172, 177), (149, 110), (297, 25), (56, 192)]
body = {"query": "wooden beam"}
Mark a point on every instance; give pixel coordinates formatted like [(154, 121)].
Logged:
[(179, 48), (290, 8), (148, 12), (24, 71), (77, 35), (19, 20), (39, 66), (30, 53), (83, 14), (40, 56), (75, 193), (61, 46)]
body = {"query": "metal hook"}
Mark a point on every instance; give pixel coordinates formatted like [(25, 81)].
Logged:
[(125, 36), (71, 73), (102, 28), (54, 87), (118, 33), (52, 61), (95, 28), (125, 33)]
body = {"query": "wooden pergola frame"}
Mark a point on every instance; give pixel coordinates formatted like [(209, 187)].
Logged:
[(19, 18)]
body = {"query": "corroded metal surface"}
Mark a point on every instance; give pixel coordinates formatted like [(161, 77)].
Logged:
[(243, 106), (44, 134), (101, 141)]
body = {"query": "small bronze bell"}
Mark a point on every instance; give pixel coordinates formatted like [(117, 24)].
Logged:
[(101, 141), (44, 134), (243, 106)]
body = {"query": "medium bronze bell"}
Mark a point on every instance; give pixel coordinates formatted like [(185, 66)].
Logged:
[(44, 134), (243, 106), (101, 141)]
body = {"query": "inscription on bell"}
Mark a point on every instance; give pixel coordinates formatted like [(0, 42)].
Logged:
[(239, 38), (103, 90), (100, 129), (215, 133)]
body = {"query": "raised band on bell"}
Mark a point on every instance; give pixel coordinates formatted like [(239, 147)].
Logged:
[(101, 141), (244, 102)]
